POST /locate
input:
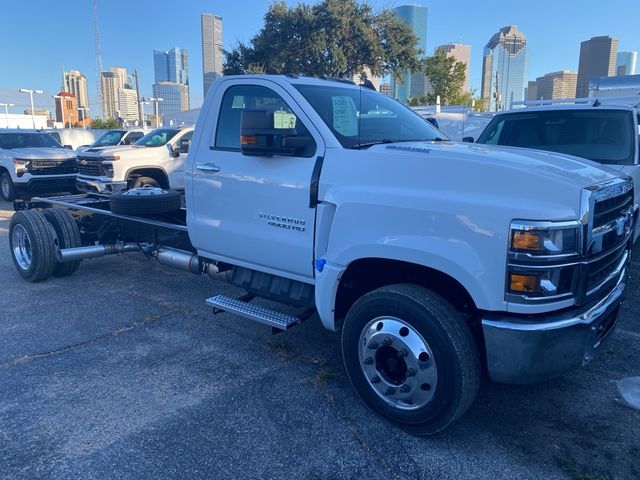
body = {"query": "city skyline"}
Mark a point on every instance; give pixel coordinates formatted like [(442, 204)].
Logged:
[(40, 60)]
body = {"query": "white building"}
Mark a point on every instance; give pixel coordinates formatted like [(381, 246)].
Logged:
[(212, 53), (128, 104)]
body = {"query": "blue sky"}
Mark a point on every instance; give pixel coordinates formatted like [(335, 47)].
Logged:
[(38, 37)]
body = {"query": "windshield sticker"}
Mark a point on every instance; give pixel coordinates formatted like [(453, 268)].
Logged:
[(345, 116)]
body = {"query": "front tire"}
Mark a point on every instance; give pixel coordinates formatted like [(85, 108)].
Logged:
[(7, 188), (411, 358), (32, 243)]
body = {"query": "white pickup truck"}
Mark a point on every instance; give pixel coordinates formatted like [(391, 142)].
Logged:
[(435, 260), (156, 159)]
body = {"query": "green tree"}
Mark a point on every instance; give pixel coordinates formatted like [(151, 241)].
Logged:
[(446, 76), (99, 124), (337, 38)]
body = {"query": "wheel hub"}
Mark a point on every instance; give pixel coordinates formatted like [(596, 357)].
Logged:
[(147, 190), (5, 188), (398, 363), (21, 247)]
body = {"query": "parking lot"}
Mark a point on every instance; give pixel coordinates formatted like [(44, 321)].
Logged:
[(121, 371)]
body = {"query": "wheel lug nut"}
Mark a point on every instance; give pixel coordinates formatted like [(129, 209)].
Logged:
[(411, 372), (373, 345), (387, 341), (375, 379), (405, 388), (368, 361), (390, 391)]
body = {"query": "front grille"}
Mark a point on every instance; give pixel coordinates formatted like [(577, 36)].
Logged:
[(602, 268), (53, 167), (89, 166), (609, 210)]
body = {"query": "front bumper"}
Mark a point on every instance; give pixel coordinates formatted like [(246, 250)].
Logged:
[(41, 185), (522, 350), (99, 184)]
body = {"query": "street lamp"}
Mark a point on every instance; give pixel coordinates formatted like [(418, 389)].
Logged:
[(157, 100), (61, 98), (6, 112), (84, 115), (31, 91)]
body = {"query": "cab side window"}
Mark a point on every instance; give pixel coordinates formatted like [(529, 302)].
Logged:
[(251, 97), (132, 138)]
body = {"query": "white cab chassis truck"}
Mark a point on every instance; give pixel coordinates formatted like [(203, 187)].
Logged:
[(434, 260)]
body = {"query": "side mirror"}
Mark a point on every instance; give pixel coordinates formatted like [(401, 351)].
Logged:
[(468, 139), (183, 145), (69, 147), (172, 151), (260, 135)]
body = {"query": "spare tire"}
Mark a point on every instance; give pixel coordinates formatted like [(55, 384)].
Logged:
[(145, 201)]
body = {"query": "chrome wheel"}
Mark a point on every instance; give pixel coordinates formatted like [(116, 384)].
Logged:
[(21, 247), (398, 363), (6, 187)]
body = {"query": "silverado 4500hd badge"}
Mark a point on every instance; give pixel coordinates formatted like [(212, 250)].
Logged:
[(287, 223)]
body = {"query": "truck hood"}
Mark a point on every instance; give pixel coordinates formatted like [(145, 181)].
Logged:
[(510, 161), (125, 151), (42, 152)]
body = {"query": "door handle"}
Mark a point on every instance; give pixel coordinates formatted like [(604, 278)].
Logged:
[(207, 167)]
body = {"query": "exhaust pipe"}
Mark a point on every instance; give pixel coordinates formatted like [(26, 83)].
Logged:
[(95, 251)]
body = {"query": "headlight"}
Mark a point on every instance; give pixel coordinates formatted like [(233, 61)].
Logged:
[(544, 238), (21, 165), (541, 283)]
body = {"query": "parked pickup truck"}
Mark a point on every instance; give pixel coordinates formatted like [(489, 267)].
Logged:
[(605, 133), (156, 159), (112, 138), (32, 162), (434, 259)]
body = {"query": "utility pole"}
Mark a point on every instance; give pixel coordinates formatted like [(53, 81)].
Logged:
[(140, 117), (98, 57)]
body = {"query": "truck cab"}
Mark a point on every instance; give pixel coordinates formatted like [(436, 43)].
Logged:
[(433, 259)]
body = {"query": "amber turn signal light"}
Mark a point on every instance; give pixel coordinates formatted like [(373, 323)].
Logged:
[(524, 283), (247, 140), (524, 240)]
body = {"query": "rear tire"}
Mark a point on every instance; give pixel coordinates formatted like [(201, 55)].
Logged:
[(68, 236), (32, 243), (145, 201), (411, 358), (7, 189)]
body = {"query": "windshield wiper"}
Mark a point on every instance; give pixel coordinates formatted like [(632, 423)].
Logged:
[(371, 144)]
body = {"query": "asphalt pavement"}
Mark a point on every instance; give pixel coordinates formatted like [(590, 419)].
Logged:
[(121, 372)]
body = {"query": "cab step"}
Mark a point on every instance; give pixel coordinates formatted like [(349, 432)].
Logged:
[(239, 306)]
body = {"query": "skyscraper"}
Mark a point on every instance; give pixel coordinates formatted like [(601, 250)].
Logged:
[(505, 65), (462, 53), (554, 85), (75, 83), (212, 58), (171, 80), (175, 97), (597, 59), (627, 63), (171, 66), (119, 100), (412, 84)]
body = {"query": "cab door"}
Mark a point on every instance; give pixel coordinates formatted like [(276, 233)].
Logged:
[(253, 211)]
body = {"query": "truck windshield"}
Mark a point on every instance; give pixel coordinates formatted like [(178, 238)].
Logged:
[(360, 117), (108, 139), (157, 138), (604, 136), (27, 140)]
